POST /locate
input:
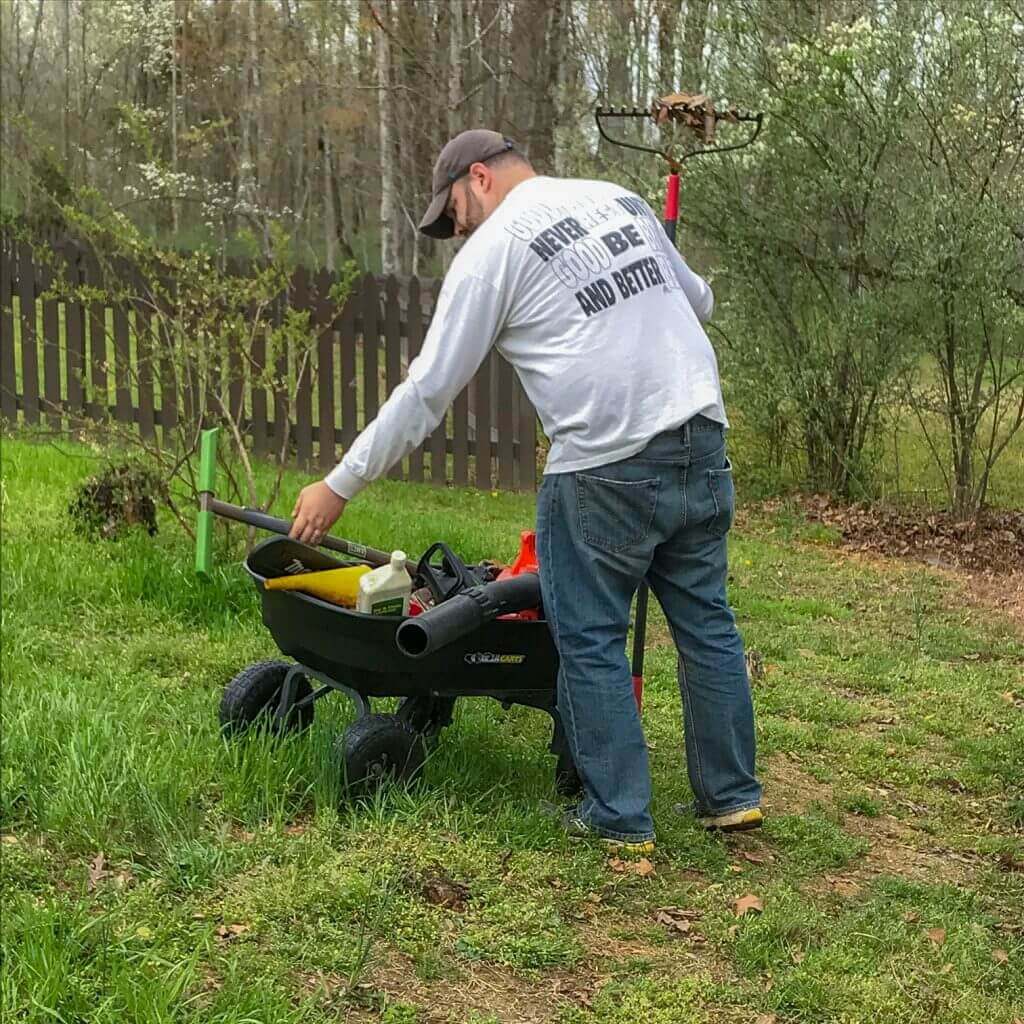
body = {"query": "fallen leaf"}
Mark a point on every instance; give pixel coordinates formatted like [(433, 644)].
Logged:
[(97, 872), (1007, 862), (299, 829), (7, 839), (945, 969), (756, 858), (680, 925), (689, 913), (227, 932), (736, 869), (766, 1018), (1000, 956), (936, 935), (643, 867), (799, 956), (804, 652), (143, 932), (442, 891), (748, 904), (843, 886), (677, 919), (1008, 697), (911, 916)]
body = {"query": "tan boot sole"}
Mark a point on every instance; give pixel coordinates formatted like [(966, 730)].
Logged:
[(738, 821)]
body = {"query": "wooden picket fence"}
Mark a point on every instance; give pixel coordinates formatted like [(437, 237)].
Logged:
[(98, 367)]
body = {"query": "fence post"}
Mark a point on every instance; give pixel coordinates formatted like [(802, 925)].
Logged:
[(8, 376), (122, 352), (258, 390), (414, 330), (439, 438), (324, 322), (29, 338), (349, 378), (508, 407), (371, 341), (143, 353), (392, 349), (236, 370), (51, 352), (482, 392), (299, 300), (164, 338)]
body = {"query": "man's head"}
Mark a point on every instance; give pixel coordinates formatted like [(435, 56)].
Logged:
[(473, 174)]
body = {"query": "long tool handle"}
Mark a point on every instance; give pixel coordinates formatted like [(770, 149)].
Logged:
[(643, 591), (262, 521)]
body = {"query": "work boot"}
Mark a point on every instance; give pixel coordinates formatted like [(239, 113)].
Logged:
[(731, 821), (577, 828)]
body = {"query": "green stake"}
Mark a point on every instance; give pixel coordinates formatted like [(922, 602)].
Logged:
[(204, 520)]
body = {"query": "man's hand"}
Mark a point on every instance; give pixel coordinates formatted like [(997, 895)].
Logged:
[(315, 512)]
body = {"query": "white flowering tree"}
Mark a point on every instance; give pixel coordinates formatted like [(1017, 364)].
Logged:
[(869, 244)]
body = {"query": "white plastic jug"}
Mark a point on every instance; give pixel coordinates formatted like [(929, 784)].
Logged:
[(386, 590)]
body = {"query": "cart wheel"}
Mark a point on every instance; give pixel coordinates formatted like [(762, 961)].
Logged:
[(378, 750), (567, 779), (251, 700), (428, 715)]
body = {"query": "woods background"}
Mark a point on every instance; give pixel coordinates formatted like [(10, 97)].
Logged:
[(867, 253)]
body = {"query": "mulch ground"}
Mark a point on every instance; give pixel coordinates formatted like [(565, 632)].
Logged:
[(986, 554), (993, 542)]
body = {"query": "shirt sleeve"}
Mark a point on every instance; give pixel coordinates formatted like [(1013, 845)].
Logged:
[(469, 316), (695, 288)]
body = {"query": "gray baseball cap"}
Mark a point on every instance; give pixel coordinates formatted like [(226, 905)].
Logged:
[(456, 158)]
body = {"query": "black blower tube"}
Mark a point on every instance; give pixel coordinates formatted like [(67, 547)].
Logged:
[(444, 623)]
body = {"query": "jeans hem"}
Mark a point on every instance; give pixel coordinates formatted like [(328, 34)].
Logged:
[(622, 837), (729, 810)]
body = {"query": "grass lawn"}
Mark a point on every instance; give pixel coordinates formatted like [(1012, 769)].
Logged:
[(153, 872)]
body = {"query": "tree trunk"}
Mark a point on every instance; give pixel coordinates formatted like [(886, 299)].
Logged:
[(388, 235), (455, 40), (330, 228), (668, 27), (545, 111), (692, 79), (174, 113), (66, 113)]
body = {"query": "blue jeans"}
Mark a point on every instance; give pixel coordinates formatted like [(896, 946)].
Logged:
[(661, 515)]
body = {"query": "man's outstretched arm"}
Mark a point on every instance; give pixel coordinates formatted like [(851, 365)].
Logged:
[(469, 315)]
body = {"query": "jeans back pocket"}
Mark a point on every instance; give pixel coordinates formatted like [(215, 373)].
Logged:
[(723, 491), (615, 514)]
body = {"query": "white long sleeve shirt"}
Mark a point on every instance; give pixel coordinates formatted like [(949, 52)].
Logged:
[(580, 289)]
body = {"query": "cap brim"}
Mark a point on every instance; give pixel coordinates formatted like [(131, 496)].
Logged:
[(436, 223)]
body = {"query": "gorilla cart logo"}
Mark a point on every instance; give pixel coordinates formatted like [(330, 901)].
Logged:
[(486, 658)]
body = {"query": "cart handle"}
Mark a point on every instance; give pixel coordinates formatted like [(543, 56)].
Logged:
[(210, 506)]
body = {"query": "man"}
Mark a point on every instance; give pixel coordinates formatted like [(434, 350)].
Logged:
[(578, 286)]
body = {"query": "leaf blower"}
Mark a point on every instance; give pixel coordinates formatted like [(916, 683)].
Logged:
[(465, 612)]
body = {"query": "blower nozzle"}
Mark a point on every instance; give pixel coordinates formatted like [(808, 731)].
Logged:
[(465, 612)]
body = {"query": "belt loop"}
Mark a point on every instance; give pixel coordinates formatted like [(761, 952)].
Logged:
[(686, 433)]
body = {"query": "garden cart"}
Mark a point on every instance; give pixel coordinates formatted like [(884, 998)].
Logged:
[(484, 637)]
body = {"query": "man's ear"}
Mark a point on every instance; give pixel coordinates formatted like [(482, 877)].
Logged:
[(484, 176)]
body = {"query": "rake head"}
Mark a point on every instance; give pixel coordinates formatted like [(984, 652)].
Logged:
[(697, 116)]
